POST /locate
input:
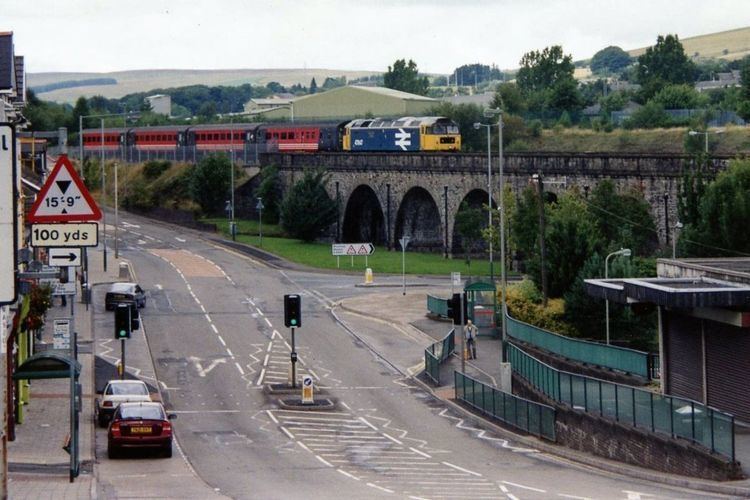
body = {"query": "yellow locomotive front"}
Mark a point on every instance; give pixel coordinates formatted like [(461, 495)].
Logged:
[(440, 134)]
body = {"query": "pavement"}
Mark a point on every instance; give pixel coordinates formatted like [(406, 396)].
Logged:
[(38, 466)]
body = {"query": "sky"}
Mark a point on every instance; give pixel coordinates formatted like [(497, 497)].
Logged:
[(439, 35)]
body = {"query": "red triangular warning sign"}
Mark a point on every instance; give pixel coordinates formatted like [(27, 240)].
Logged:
[(64, 198)]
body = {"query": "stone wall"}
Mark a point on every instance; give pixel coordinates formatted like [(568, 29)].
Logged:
[(615, 441)]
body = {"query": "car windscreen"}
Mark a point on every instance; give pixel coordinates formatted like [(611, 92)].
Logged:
[(126, 389), (141, 413)]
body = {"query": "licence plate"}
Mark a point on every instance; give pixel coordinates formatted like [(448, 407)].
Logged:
[(140, 430)]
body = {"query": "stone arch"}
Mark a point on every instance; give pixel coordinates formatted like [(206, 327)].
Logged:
[(363, 217), (419, 218), (476, 198)]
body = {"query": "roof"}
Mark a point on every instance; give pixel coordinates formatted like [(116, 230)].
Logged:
[(484, 99), (7, 73), (396, 94), (273, 101)]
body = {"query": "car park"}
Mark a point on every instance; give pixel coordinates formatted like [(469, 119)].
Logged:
[(124, 293), (143, 425), (116, 392)]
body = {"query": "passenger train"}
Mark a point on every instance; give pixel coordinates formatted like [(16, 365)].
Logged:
[(432, 133)]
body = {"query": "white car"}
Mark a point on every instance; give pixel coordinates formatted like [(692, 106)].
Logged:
[(116, 392)]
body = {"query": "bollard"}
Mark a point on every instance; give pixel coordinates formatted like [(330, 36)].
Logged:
[(368, 276)]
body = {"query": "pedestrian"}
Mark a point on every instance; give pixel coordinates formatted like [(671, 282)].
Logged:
[(470, 334)]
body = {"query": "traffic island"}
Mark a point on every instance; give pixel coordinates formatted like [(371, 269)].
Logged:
[(283, 389), (295, 403)]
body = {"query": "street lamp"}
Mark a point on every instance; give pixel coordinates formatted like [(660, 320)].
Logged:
[(677, 226), (259, 207), (625, 252), (477, 126), (705, 133), (403, 241)]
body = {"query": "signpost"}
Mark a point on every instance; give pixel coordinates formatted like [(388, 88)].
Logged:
[(61, 334), (352, 250), (8, 216), (404, 242)]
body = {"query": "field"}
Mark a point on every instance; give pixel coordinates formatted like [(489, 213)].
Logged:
[(129, 82), (735, 42)]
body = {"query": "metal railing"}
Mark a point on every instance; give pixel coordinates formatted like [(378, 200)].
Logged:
[(437, 306), (676, 417), (535, 418), (437, 353), (583, 351)]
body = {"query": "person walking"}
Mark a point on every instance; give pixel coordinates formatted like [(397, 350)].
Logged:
[(470, 334)]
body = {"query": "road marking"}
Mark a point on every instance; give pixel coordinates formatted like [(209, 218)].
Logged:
[(260, 378), (221, 339), (259, 311), (462, 469), (572, 496), (230, 353), (392, 438), (373, 485), (199, 366), (420, 453), (324, 461), (181, 240), (348, 475), (272, 417), (303, 446), (242, 372), (523, 487), (208, 318), (269, 323), (216, 330)]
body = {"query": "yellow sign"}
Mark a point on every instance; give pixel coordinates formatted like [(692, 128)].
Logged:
[(307, 390)]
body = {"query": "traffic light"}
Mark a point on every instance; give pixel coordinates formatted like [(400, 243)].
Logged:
[(292, 311), (135, 317), (123, 324), (457, 308)]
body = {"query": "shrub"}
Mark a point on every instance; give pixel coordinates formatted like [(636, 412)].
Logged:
[(154, 168)]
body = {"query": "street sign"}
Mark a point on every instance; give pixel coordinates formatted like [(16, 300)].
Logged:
[(307, 390), (68, 288), (338, 249), (404, 242), (64, 197), (456, 278), (65, 257), (83, 234), (61, 334), (8, 218)]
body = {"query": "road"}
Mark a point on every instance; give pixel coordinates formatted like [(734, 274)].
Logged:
[(214, 330)]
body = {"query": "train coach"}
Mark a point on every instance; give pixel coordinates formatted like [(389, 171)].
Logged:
[(191, 143)]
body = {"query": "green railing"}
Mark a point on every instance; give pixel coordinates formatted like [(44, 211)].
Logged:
[(438, 306), (669, 415), (437, 353), (529, 416), (583, 351)]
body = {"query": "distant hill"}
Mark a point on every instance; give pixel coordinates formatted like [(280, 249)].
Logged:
[(129, 82), (732, 44)]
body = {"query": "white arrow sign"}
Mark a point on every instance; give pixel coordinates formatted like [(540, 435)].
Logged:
[(403, 139), (65, 257), (204, 371)]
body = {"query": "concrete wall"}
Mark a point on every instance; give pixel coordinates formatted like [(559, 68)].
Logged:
[(654, 175)]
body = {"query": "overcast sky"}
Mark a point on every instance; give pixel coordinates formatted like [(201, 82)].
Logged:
[(112, 35)]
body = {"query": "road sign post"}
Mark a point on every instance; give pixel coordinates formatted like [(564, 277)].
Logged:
[(404, 242), (8, 215)]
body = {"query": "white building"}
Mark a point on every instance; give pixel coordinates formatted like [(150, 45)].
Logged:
[(160, 103)]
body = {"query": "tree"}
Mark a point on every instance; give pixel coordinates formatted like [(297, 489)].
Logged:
[(81, 108), (405, 77), (509, 98), (307, 210), (662, 64), (743, 107), (541, 70), (469, 228), (313, 86), (680, 96), (209, 183), (651, 115), (269, 190), (724, 211), (611, 59)]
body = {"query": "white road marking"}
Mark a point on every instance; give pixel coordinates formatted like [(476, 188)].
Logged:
[(149, 237), (268, 322), (181, 240), (373, 485), (260, 378), (291, 436), (259, 311), (230, 353), (199, 366), (158, 286), (242, 372), (392, 438), (303, 446), (216, 330), (572, 496), (220, 338), (208, 318), (462, 469), (420, 453), (523, 487), (348, 475), (324, 461), (272, 417)]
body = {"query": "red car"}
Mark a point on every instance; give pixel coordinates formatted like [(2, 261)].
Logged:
[(140, 425)]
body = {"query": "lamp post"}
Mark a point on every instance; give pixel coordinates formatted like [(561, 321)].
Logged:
[(677, 226), (403, 241), (625, 252), (104, 193), (260, 208), (477, 126), (705, 134), (501, 209)]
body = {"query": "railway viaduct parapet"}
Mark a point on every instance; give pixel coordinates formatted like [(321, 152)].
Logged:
[(384, 196)]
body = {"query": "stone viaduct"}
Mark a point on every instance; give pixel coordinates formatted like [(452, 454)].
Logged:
[(384, 196)]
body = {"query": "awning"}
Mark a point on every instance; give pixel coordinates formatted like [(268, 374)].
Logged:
[(53, 363)]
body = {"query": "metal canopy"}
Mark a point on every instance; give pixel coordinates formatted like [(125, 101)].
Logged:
[(686, 293), (53, 363)]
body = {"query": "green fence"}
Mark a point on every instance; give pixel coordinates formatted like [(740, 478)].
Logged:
[(609, 356), (437, 353), (438, 306), (674, 416), (531, 417)]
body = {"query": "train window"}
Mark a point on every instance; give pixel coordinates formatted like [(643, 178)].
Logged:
[(291, 135), (223, 137), (283, 135)]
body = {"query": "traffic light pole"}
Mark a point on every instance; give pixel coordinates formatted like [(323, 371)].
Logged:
[(122, 359), (294, 363)]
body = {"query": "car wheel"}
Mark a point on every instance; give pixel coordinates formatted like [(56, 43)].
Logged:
[(112, 451), (167, 451)]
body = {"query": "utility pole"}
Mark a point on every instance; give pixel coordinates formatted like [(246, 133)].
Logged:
[(542, 246)]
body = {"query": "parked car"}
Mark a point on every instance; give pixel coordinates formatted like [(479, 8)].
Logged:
[(124, 293), (140, 426), (116, 392)]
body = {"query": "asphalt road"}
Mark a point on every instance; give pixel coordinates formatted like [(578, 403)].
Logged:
[(214, 325)]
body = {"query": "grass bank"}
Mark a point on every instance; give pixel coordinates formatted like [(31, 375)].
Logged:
[(319, 254)]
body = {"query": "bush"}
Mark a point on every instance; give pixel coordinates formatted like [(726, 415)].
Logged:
[(307, 210), (523, 307), (535, 128), (154, 168)]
